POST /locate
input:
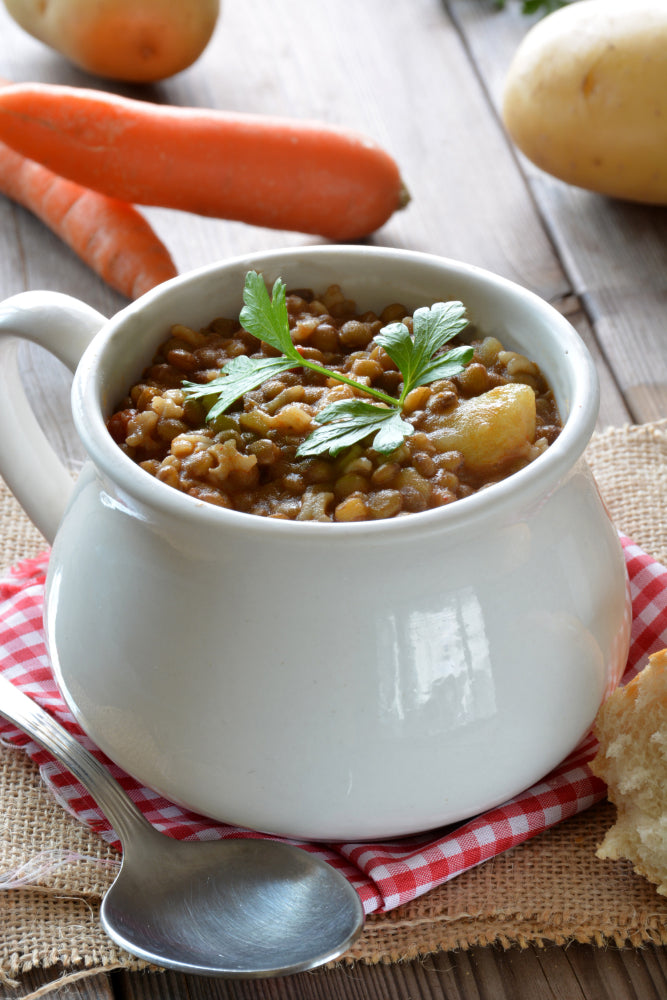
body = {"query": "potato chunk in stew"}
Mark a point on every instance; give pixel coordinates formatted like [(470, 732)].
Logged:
[(491, 430)]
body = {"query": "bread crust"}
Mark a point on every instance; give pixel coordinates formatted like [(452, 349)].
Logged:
[(631, 728)]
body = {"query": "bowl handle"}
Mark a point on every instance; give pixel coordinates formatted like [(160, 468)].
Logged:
[(34, 473)]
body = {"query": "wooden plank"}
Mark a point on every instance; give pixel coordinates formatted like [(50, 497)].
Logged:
[(58, 986), (404, 80), (614, 253), (578, 972), (400, 96), (613, 408), (638, 974), (551, 973)]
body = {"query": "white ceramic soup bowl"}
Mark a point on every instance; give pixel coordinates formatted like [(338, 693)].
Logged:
[(321, 680)]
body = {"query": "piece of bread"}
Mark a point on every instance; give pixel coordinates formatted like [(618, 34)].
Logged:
[(631, 728)]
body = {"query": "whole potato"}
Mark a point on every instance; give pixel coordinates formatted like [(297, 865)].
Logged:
[(586, 97), (134, 40)]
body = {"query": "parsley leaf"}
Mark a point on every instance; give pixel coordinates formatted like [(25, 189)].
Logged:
[(240, 375), (345, 423), (266, 318), (537, 6), (413, 355), (445, 366)]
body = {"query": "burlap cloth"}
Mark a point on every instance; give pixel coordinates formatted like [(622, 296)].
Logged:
[(550, 889)]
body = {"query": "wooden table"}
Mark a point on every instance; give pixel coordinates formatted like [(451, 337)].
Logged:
[(424, 78)]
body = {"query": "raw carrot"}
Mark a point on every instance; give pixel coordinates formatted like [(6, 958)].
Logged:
[(275, 172), (110, 236)]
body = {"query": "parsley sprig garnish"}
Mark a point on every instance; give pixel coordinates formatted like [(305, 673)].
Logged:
[(343, 423)]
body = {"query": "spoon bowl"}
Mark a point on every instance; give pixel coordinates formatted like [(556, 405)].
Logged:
[(238, 908)]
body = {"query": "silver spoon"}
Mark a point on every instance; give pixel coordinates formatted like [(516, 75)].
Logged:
[(238, 908)]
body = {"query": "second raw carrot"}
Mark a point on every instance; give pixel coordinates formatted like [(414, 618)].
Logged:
[(110, 236), (274, 172)]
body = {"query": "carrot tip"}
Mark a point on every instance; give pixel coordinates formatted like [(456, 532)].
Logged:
[(404, 197)]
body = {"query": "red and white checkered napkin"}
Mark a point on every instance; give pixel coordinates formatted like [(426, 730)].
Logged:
[(385, 874)]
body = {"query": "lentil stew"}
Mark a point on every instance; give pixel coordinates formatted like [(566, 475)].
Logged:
[(470, 431)]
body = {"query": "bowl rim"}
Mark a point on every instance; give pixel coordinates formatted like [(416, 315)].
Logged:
[(519, 490)]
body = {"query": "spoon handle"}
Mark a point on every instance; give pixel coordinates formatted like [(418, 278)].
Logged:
[(33, 720)]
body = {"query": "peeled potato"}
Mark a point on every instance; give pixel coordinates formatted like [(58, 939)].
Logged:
[(490, 429), (134, 40), (586, 97)]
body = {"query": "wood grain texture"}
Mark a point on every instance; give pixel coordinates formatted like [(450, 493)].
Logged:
[(614, 253), (424, 78), (578, 972), (42, 982)]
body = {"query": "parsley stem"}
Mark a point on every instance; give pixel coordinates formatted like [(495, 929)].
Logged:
[(414, 352), (330, 373)]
